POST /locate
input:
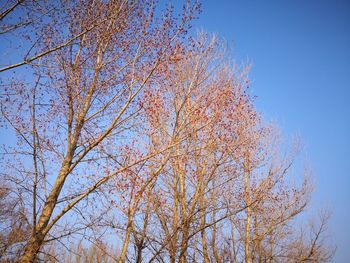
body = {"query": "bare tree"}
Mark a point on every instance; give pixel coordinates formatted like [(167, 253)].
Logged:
[(14, 224), (149, 140), (78, 119)]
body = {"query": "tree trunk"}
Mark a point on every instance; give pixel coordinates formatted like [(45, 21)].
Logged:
[(36, 241)]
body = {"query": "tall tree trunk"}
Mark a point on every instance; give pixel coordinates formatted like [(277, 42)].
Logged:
[(213, 237), (126, 240), (37, 239), (203, 234), (248, 218)]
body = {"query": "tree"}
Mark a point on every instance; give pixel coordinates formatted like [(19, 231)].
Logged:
[(15, 226), (225, 178), (71, 119), (137, 143)]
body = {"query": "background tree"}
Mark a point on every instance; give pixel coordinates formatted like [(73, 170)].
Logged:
[(14, 224)]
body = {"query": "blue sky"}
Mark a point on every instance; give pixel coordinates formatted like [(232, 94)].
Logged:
[(300, 53)]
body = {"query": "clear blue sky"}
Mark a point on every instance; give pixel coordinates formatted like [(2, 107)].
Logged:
[(300, 51)]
